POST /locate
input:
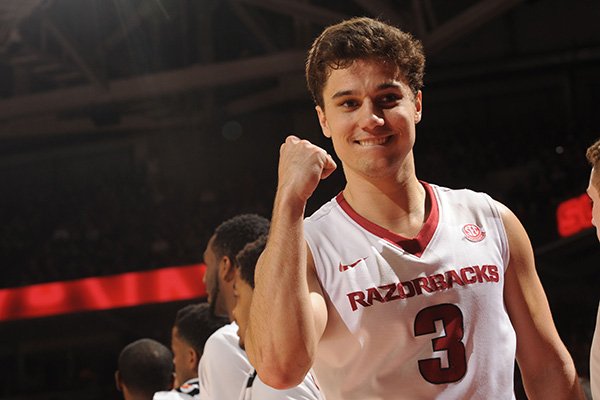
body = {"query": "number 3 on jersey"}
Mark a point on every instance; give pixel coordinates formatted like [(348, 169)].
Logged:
[(452, 321)]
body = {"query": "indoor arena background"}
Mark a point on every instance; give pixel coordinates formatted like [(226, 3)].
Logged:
[(130, 128)]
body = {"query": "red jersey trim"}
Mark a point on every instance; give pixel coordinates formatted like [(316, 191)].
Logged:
[(415, 246)]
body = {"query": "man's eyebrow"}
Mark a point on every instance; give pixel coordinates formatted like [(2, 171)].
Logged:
[(382, 86), (341, 93), (389, 85)]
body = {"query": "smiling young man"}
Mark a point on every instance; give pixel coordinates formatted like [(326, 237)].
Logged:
[(396, 288), (593, 190)]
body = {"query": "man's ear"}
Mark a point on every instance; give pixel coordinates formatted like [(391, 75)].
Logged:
[(323, 121), (227, 269), (418, 106), (173, 380), (118, 383), (194, 359)]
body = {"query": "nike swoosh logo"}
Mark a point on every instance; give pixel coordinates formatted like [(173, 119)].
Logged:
[(344, 267)]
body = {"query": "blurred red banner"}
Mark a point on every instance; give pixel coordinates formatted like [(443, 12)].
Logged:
[(102, 293)]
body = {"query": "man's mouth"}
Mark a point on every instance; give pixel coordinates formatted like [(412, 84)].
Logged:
[(378, 141)]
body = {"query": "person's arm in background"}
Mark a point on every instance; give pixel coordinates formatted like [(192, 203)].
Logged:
[(288, 313), (546, 366)]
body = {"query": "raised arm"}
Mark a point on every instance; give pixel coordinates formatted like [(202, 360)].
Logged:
[(288, 312), (546, 366)]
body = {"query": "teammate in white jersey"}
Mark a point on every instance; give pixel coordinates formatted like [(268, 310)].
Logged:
[(194, 324), (389, 261), (593, 190), (255, 389), (224, 367)]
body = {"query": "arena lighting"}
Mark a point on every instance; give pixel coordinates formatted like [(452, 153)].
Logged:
[(102, 293), (574, 215)]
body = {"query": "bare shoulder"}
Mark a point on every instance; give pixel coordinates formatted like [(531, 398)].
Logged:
[(511, 223), (525, 298), (521, 251), (524, 295), (538, 342)]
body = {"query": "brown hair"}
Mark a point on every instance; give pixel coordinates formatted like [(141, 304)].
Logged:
[(248, 257), (362, 38), (593, 156)]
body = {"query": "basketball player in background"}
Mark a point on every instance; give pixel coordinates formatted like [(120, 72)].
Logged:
[(193, 325), (593, 190), (224, 366), (144, 368), (254, 388), (396, 288)]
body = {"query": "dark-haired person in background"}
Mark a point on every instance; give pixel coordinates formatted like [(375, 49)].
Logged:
[(193, 326), (144, 368), (593, 190), (224, 366), (254, 388)]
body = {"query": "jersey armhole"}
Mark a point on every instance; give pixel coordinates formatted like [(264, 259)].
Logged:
[(493, 204)]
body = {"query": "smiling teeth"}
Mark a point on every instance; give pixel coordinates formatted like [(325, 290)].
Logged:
[(372, 142)]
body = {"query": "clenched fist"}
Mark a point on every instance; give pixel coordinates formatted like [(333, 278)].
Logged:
[(301, 166)]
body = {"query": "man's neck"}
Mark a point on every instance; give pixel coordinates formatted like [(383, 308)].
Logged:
[(400, 206), (230, 299)]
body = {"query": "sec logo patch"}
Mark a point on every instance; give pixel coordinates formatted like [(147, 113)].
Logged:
[(473, 233)]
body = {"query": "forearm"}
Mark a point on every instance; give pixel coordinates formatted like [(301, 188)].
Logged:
[(280, 337), (556, 379)]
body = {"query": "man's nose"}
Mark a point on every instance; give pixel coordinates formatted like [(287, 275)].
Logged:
[(371, 116)]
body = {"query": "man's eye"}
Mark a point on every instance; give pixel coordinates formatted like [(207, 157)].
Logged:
[(389, 98), (349, 103)]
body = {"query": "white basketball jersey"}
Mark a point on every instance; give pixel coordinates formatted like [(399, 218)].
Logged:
[(256, 389), (420, 318), (224, 367), (595, 360)]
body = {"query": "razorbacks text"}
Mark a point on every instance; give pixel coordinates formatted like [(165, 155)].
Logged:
[(420, 285)]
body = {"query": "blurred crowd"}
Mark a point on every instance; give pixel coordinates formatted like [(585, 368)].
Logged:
[(108, 227), (111, 223), (532, 177)]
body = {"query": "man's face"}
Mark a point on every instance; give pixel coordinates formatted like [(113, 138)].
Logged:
[(592, 191), (212, 279), (243, 295), (182, 359), (370, 114)]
